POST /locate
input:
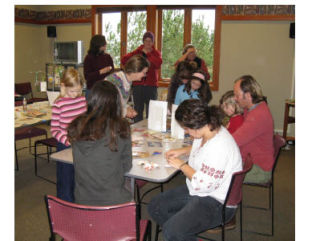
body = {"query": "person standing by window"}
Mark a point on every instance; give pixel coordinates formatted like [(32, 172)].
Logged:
[(146, 89), (97, 63)]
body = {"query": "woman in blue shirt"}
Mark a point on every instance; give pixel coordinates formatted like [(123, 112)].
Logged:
[(196, 88)]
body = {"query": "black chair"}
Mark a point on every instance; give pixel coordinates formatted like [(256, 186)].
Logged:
[(25, 90), (233, 198), (49, 143), (24, 133), (278, 142)]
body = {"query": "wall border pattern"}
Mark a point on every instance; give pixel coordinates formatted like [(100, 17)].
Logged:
[(258, 10)]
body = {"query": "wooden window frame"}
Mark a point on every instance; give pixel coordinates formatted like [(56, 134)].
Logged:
[(154, 24)]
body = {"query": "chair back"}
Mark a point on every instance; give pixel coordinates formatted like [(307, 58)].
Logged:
[(76, 222), (23, 88), (278, 142), (234, 195)]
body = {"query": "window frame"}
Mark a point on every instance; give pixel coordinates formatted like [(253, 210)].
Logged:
[(154, 24)]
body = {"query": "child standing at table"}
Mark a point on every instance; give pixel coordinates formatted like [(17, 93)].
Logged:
[(101, 147), (66, 108), (232, 110), (196, 88)]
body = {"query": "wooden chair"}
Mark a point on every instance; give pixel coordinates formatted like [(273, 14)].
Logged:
[(74, 222), (278, 142)]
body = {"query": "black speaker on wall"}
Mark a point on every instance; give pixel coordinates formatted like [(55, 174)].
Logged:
[(292, 30), (51, 32)]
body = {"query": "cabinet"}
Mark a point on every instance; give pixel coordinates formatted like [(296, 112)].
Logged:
[(54, 73)]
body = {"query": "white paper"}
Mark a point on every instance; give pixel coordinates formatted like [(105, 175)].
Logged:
[(43, 86), (52, 96), (157, 118), (176, 130)]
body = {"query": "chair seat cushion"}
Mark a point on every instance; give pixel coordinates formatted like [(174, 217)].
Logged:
[(28, 132), (230, 225)]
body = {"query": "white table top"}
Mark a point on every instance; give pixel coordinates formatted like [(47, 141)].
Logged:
[(29, 118), (145, 138)]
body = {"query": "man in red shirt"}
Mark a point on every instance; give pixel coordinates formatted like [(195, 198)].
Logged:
[(146, 89), (255, 135)]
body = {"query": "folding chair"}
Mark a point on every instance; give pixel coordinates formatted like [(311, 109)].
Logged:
[(278, 142), (74, 222)]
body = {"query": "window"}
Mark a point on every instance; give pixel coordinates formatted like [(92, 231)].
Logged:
[(202, 35), (172, 40), (174, 27), (111, 30)]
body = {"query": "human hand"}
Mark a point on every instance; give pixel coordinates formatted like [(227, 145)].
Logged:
[(175, 162), (105, 70), (174, 153)]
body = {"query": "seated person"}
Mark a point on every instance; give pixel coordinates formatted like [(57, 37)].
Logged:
[(232, 110), (101, 147), (255, 135), (182, 212), (196, 88)]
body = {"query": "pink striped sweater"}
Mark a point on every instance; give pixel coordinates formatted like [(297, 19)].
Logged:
[(64, 111)]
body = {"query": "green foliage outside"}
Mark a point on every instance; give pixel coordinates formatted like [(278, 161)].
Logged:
[(172, 39)]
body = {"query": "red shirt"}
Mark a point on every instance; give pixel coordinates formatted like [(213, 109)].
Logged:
[(155, 60), (255, 136), (234, 123)]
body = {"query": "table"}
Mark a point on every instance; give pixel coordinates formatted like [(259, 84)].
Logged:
[(36, 113), (146, 141)]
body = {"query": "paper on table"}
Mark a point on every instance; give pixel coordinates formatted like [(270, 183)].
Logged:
[(157, 118), (176, 130), (52, 96)]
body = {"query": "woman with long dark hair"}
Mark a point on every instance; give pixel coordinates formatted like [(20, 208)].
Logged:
[(101, 147), (97, 64), (214, 156)]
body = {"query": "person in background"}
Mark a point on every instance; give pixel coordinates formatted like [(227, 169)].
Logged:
[(189, 54), (196, 206), (67, 107), (97, 64), (196, 88), (134, 70), (146, 89), (101, 147), (183, 73), (255, 135), (234, 112)]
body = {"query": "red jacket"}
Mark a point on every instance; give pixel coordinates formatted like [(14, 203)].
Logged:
[(255, 136), (155, 60), (234, 123)]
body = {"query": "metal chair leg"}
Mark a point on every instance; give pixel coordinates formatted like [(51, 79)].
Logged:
[(16, 153), (35, 159), (157, 232)]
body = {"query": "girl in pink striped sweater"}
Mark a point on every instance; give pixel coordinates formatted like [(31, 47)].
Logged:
[(66, 108)]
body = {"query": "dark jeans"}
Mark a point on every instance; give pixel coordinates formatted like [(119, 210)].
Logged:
[(141, 96), (65, 178), (183, 216)]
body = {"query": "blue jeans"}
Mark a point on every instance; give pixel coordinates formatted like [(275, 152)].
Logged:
[(183, 216), (65, 178)]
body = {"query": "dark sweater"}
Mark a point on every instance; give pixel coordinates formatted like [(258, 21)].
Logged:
[(91, 66), (99, 172)]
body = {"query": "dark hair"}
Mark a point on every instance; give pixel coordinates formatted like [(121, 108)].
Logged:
[(195, 114), (136, 64), (250, 85), (184, 70), (104, 110), (96, 42), (204, 91)]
